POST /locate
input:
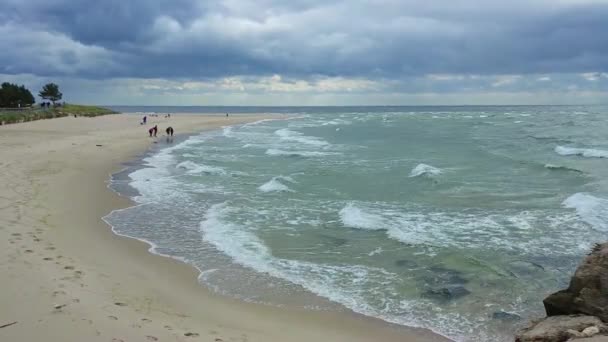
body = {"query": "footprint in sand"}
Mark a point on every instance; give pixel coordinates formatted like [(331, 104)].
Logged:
[(16, 234), (120, 304), (29, 251), (69, 268), (145, 320), (168, 327), (51, 248), (151, 338), (117, 340), (191, 334), (47, 259), (57, 293), (114, 318)]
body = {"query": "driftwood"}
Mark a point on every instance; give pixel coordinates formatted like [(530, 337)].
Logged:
[(7, 325)]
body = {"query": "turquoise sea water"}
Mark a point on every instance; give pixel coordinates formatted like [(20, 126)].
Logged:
[(456, 219)]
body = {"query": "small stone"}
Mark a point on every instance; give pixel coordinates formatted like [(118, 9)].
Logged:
[(447, 293), (590, 331), (573, 333)]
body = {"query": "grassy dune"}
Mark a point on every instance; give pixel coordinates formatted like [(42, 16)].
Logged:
[(37, 113)]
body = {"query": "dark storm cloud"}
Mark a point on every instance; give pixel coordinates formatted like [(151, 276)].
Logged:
[(386, 39)]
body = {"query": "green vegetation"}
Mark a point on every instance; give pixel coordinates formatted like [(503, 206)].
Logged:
[(80, 110), (51, 92), (14, 96), (16, 105), (31, 114)]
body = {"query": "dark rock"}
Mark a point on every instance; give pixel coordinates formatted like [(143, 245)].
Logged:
[(588, 290), (445, 276), (447, 293), (405, 263), (558, 328), (506, 316)]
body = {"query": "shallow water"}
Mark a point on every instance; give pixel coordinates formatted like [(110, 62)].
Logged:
[(458, 219)]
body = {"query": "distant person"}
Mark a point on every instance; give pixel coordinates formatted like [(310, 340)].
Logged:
[(145, 119), (151, 131), (155, 130), (169, 131), (226, 114)]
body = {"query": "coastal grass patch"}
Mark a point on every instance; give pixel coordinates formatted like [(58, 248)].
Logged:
[(8, 116)]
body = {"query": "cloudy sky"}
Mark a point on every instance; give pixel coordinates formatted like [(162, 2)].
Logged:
[(309, 52)]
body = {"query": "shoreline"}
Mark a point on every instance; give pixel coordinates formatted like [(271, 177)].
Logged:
[(70, 278)]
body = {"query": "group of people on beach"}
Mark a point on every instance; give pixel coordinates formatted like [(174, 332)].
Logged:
[(153, 131)]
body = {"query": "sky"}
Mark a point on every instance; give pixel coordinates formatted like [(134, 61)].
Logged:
[(309, 52)]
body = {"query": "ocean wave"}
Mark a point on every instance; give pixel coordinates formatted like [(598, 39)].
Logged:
[(593, 210), (246, 249), (286, 134), (501, 230), (355, 217), (425, 170), (277, 152), (561, 168), (194, 168), (583, 152), (274, 185)]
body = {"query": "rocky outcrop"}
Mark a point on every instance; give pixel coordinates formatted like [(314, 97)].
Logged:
[(561, 329), (588, 290), (580, 312)]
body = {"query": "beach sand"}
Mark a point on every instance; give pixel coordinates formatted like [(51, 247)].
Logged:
[(66, 277)]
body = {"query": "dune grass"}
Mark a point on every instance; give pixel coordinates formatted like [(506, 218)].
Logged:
[(37, 113)]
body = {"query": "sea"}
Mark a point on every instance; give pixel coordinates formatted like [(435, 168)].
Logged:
[(455, 219)]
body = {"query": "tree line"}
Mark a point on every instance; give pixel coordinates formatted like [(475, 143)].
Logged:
[(17, 96)]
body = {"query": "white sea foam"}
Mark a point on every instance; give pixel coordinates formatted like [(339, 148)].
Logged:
[(194, 168), (288, 135), (240, 243), (355, 217), (583, 152), (278, 152), (376, 251), (274, 185), (508, 231), (591, 209), (227, 131), (425, 170)]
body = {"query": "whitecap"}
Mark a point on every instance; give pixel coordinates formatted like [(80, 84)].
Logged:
[(425, 170), (592, 210), (354, 217), (274, 185), (583, 152), (194, 168), (278, 152), (288, 135)]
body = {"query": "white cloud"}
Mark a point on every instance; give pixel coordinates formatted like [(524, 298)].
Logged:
[(503, 80), (594, 76)]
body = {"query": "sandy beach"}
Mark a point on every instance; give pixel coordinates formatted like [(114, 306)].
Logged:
[(66, 277)]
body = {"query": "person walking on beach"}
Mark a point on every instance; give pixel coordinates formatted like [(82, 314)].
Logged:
[(145, 119), (169, 131), (155, 130)]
